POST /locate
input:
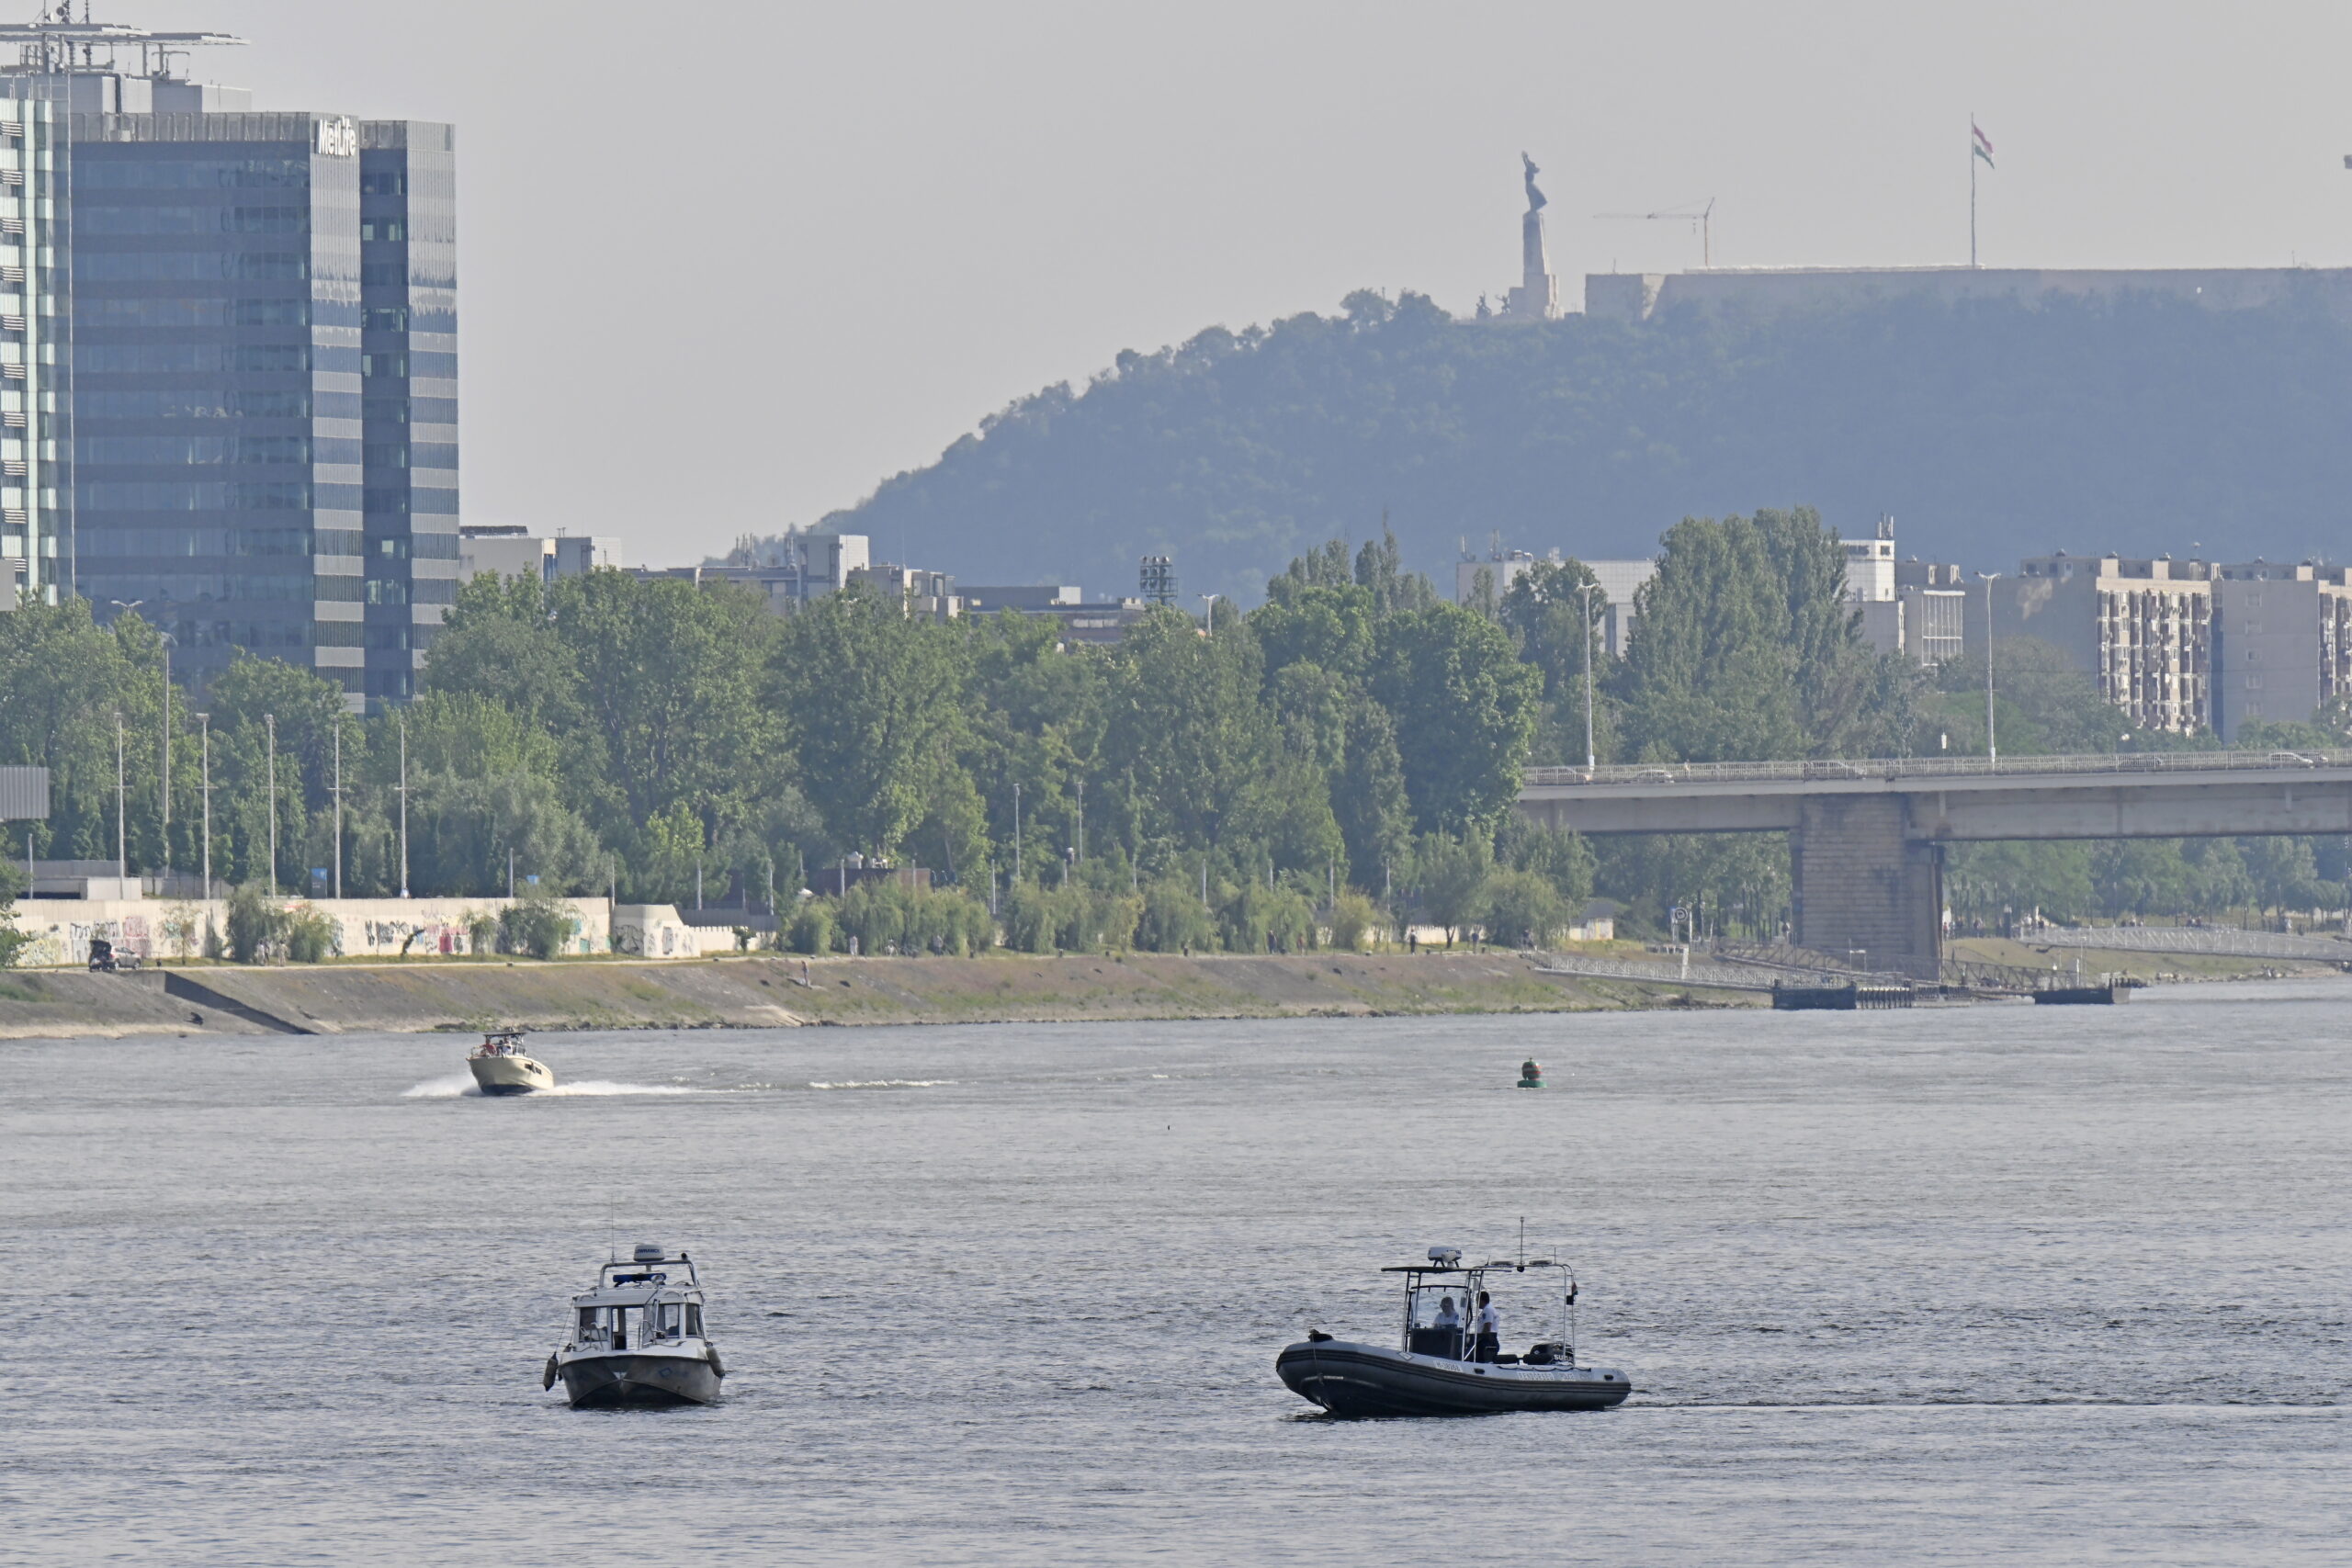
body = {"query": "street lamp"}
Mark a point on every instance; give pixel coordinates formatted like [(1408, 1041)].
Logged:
[(338, 807), (164, 785), (204, 721), (1208, 611), (121, 809), (1991, 747), (269, 722), (1585, 593), (403, 728)]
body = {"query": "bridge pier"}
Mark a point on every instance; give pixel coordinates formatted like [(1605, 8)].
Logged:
[(1861, 884)]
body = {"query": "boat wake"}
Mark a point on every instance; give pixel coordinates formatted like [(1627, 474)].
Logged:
[(450, 1087), (889, 1083), (462, 1086)]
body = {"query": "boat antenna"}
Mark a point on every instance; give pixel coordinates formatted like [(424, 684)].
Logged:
[(1522, 1244), (612, 1252)]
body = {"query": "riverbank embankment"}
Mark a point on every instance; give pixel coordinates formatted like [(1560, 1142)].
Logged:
[(766, 991)]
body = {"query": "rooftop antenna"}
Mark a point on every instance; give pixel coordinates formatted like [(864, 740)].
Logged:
[(1703, 223)]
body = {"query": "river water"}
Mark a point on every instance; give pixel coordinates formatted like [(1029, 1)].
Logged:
[(1994, 1285)]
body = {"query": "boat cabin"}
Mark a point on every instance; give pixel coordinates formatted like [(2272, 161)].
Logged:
[(643, 1303), (1441, 1307)]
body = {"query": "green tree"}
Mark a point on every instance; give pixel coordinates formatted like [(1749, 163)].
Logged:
[(1452, 875), (1520, 908), (1982, 882), (462, 830), (12, 940), (1330, 627), (1368, 797), (1465, 710), (1562, 859), (872, 701), (2042, 705), (1173, 920), (670, 678), (62, 679), (1555, 623), (256, 924), (2285, 876), (1188, 726)]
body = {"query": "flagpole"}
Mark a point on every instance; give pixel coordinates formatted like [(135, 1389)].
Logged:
[(1972, 191)]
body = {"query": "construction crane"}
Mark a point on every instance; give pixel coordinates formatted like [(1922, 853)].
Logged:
[(1702, 222)]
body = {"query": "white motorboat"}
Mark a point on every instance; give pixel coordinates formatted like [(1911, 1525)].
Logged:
[(637, 1338), (1441, 1367), (499, 1066)]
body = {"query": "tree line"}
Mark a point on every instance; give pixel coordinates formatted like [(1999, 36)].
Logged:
[(1340, 758)]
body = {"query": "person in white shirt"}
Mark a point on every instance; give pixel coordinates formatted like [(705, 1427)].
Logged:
[(1490, 1330)]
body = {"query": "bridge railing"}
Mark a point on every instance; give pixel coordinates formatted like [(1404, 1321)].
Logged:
[(1894, 769)]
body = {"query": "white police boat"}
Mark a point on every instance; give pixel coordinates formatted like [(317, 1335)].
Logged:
[(1444, 1366), (637, 1338)]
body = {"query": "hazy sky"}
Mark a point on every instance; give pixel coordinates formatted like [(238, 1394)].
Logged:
[(726, 265)]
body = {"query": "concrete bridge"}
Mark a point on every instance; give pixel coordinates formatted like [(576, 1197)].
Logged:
[(1865, 837)]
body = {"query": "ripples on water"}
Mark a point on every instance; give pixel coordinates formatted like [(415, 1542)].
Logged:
[(1998, 1285)]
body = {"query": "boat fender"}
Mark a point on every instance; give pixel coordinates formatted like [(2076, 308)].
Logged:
[(1316, 1336), (546, 1378), (717, 1367)]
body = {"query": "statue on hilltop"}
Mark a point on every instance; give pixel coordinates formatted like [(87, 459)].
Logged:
[(1535, 196)]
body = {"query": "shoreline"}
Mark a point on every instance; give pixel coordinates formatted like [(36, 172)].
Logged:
[(765, 991)]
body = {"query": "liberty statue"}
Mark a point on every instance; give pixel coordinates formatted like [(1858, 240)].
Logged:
[(1537, 298)]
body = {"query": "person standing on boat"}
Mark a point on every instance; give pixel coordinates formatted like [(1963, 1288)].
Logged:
[(1490, 1330), (1449, 1323)]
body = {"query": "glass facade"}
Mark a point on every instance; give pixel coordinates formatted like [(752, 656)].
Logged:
[(264, 396), (408, 376)]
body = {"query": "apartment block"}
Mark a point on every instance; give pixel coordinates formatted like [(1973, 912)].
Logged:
[(2284, 636), (2142, 629)]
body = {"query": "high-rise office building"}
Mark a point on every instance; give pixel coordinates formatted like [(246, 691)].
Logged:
[(36, 532), (260, 424)]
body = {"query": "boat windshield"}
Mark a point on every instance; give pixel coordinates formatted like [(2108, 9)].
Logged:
[(620, 1325), (1435, 1316), (639, 1305)]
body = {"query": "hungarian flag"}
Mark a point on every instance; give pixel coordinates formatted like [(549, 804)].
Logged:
[(1983, 144)]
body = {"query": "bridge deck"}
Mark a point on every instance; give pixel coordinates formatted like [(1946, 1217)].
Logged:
[(2159, 794)]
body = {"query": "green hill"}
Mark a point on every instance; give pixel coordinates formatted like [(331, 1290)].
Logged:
[(1990, 432)]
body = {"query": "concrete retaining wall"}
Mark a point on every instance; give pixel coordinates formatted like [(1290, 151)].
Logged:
[(169, 928)]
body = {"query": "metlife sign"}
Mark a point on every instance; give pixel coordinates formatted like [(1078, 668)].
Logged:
[(338, 137)]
